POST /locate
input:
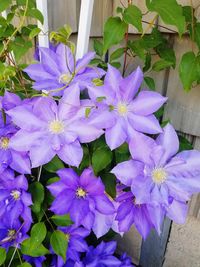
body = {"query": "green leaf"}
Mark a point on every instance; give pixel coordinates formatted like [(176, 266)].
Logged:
[(54, 165), (117, 54), (101, 158), (152, 40), (62, 220), (20, 47), (137, 47), (117, 65), (98, 47), (37, 192), (25, 264), (4, 4), (184, 144), (166, 53), (36, 14), (38, 233), (2, 255), (59, 243), (161, 64), (28, 249), (133, 15), (32, 246), (188, 70), (34, 32), (197, 34), (150, 83), (147, 62), (109, 181), (114, 30), (170, 12)]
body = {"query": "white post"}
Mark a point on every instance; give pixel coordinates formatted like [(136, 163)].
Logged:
[(43, 35), (84, 27)]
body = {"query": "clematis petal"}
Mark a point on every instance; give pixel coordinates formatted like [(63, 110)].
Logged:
[(147, 102), (20, 162), (177, 211), (127, 171), (82, 63), (71, 154), (104, 205), (131, 84)]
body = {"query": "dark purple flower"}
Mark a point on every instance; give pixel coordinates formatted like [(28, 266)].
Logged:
[(158, 175), (12, 232), (14, 199), (57, 70), (80, 196), (36, 261), (9, 157), (47, 129), (144, 217), (76, 243), (122, 110), (102, 256), (126, 261)]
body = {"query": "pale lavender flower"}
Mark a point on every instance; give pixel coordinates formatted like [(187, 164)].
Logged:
[(123, 110), (57, 70), (48, 129)]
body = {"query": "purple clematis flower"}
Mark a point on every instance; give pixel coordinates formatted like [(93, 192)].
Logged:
[(14, 199), (80, 197), (12, 232), (126, 261), (125, 110), (102, 256), (48, 129), (144, 217), (36, 261), (57, 70), (157, 174), (18, 161), (76, 243)]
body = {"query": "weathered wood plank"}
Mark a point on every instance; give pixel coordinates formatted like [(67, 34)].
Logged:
[(154, 247), (183, 108), (62, 12)]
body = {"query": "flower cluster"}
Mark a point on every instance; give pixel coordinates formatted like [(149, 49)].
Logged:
[(77, 127)]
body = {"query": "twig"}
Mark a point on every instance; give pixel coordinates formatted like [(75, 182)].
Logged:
[(13, 255)]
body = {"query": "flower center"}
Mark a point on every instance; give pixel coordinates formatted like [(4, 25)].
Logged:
[(159, 175), (4, 143), (80, 192), (56, 127), (122, 109), (65, 78), (67, 237), (15, 194), (11, 233)]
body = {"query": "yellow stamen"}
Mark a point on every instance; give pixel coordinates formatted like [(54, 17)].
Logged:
[(65, 78), (15, 194), (122, 109), (56, 127), (4, 143), (80, 192), (67, 237), (11, 233), (159, 175)]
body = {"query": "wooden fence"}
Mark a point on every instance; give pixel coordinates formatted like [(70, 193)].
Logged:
[(183, 110)]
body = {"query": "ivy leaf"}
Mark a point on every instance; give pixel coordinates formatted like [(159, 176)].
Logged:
[(197, 34), (59, 243), (150, 83), (2, 255), (36, 14), (37, 192), (114, 30), (98, 47), (4, 4), (34, 32), (54, 165), (62, 220), (25, 264), (133, 15), (170, 12), (101, 158), (188, 70), (161, 64), (117, 54)]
